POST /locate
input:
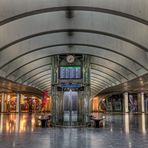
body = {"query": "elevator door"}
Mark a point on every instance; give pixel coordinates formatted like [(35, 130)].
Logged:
[(70, 106)]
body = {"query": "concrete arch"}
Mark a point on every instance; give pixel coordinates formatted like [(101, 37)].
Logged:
[(113, 36), (85, 45), (74, 8), (82, 24), (86, 53), (41, 72)]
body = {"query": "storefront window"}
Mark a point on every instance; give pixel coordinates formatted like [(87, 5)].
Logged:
[(114, 103), (31, 104), (12, 104)]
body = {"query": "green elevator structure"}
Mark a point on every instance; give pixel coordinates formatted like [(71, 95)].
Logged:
[(70, 89)]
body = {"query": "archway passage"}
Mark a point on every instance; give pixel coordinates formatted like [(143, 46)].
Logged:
[(113, 36)]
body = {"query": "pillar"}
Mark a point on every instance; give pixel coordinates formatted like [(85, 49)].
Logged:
[(54, 92), (126, 123), (18, 103), (126, 102), (141, 102), (2, 103)]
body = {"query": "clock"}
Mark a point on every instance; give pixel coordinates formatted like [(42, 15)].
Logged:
[(70, 58)]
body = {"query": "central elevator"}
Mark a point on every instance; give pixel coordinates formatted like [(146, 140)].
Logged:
[(70, 90)]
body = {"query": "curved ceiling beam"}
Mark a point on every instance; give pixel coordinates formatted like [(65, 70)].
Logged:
[(49, 85), (122, 66), (91, 68), (92, 77), (98, 81), (33, 74), (93, 83), (40, 75), (75, 30), (47, 69), (98, 85), (31, 71), (102, 80), (74, 8), (39, 78), (113, 82), (26, 64), (36, 74), (99, 65), (96, 88), (48, 74), (42, 80), (107, 74), (43, 84), (46, 87), (47, 80), (85, 45)]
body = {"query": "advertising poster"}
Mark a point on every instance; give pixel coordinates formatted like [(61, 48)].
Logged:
[(133, 103)]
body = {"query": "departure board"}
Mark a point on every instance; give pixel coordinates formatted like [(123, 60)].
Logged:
[(70, 72)]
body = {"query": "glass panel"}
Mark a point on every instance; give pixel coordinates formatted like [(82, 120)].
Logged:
[(70, 106)]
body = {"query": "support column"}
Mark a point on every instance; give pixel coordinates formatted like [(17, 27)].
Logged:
[(2, 103), (126, 110), (86, 84), (54, 93), (18, 103), (142, 102)]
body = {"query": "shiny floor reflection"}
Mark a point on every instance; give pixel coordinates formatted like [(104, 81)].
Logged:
[(119, 131)]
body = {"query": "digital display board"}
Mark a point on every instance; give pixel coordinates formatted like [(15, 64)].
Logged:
[(70, 72)]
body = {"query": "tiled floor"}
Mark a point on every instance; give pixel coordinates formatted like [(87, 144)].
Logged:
[(120, 131)]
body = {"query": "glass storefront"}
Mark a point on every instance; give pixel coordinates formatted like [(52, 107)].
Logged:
[(12, 103), (94, 104), (27, 103), (114, 103)]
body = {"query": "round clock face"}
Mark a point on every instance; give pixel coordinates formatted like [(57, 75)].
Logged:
[(70, 58)]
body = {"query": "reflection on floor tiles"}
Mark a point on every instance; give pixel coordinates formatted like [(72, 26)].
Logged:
[(119, 131), (15, 123)]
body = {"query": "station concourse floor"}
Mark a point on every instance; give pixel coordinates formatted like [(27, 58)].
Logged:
[(119, 131)]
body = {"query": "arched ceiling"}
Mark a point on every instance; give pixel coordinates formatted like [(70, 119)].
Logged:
[(114, 33)]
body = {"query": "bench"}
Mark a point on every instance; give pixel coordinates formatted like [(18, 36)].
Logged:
[(44, 120), (96, 121)]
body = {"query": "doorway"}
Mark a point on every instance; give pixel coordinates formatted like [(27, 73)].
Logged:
[(70, 107)]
